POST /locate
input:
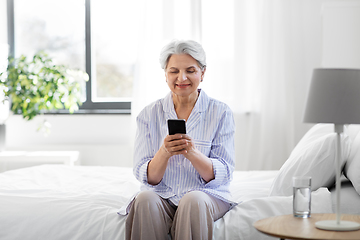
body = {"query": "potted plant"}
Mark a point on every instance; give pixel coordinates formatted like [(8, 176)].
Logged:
[(38, 85)]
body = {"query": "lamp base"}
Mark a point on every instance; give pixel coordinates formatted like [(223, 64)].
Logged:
[(334, 226)]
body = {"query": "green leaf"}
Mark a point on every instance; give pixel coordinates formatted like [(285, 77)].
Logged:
[(38, 84)]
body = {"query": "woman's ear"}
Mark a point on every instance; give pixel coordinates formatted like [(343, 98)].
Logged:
[(203, 73)]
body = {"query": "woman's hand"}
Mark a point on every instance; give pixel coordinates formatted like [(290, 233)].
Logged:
[(176, 144), (184, 144), (173, 145)]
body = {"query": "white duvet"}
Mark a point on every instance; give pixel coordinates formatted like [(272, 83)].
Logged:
[(60, 203)]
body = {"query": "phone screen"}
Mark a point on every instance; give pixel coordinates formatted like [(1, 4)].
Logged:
[(176, 126)]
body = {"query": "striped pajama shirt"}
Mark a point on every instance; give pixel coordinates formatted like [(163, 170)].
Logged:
[(210, 125)]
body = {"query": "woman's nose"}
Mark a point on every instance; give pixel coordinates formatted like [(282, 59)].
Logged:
[(182, 76)]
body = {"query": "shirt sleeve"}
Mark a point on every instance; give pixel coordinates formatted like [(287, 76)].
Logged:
[(144, 151), (222, 152)]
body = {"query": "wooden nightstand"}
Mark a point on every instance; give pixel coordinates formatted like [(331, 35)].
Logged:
[(290, 227), (39, 157)]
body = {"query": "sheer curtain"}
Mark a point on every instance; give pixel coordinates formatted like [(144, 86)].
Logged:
[(254, 64)]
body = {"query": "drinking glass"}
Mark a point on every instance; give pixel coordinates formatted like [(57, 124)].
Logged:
[(302, 196)]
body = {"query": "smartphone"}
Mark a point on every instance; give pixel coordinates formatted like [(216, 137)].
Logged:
[(176, 126)]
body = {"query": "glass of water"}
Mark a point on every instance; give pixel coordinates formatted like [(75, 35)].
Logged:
[(302, 196)]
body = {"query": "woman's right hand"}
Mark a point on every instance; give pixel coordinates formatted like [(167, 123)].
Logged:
[(175, 144)]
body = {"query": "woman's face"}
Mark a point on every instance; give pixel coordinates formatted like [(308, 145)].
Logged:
[(183, 74)]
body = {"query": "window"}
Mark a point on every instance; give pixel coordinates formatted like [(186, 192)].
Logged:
[(98, 37)]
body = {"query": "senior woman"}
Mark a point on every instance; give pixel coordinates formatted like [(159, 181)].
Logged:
[(185, 177)]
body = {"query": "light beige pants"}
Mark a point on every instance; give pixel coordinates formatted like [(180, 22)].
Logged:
[(152, 217)]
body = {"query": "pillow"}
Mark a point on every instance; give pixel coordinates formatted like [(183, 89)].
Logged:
[(352, 166), (314, 156)]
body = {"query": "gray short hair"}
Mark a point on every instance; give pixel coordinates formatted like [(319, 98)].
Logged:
[(194, 49)]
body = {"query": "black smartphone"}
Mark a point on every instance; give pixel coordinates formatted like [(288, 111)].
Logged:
[(176, 126)]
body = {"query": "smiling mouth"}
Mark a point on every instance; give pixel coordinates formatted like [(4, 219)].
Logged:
[(182, 85)]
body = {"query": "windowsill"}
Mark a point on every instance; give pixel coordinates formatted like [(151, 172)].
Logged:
[(88, 111), (91, 111)]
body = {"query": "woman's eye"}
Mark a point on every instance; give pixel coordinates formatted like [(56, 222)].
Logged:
[(190, 71)]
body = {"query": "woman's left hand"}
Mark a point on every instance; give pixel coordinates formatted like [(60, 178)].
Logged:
[(200, 162), (190, 145)]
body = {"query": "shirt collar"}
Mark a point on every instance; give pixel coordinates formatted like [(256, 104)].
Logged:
[(200, 105)]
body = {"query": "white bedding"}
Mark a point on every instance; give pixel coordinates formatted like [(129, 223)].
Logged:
[(60, 202)]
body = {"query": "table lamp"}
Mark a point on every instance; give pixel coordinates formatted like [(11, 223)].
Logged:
[(334, 97)]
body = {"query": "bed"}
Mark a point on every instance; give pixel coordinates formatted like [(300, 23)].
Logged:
[(61, 202)]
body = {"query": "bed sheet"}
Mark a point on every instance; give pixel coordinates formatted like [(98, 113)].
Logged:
[(81, 202)]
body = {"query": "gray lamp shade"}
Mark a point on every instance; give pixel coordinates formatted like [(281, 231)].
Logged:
[(334, 97)]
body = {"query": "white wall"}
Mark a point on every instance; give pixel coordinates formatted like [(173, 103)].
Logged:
[(341, 34), (101, 139)]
